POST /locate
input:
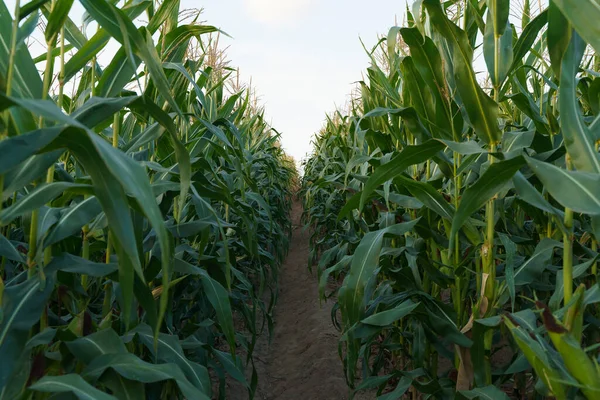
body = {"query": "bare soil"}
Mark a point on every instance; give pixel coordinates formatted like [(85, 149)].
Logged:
[(302, 360)]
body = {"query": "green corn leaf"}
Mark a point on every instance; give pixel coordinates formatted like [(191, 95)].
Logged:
[(27, 28), (410, 155), (176, 41), (525, 103), (133, 178), (528, 37), (77, 265), (509, 269), (37, 198), (92, 47), (22, 305), (31, 7), (497, 41), (537, 358), (26, 79), (22, 364), (428, 62), (70, 383), (425, 193), (514, 141), (131, 367), (95, 154), (482, 110), (356, 160), (123, 388), (575, 358), (165, 10), (117, 74), (85, 54), (583, 15), (43, 108), (578, 270), (408, 115), (533, 268), (364, 262), (151, 133), (169, 351), (498, 11), (401, 388), (233, 368), (579, 191), (72, 219), (57, 19), (28, 171), (420, 97), (390, 316), (324, 278), (487, 186), (559, 35), (15, 150), (97, 110), (72, 32), (465, 148), (120, 27), (181, 153), (530, 32), (484, 393), (102, 342), (578, 138), (529, 194), (218, 297), (9, 251)]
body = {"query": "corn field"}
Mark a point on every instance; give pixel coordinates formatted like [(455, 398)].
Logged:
[(454, 214), (453, 206), (143, 208)]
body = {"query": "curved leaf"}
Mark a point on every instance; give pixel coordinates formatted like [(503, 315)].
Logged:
[(410, 155), (579, 191), (584, 16), (37, 198), (70, 383), (578, 138), (482, 110), (487, 186), (390, 316), (131, 367), (364, 263)]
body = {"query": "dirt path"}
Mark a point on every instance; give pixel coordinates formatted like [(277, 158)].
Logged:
[(302, 360)]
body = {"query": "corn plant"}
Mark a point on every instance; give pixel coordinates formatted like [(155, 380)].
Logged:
[(143, 214), (459, 211)]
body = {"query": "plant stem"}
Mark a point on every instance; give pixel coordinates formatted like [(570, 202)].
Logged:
[(457, 278), (61, 84), (106, 305), (85, 244), (13, 48), (33, 229), (568, 248), (489, 267)]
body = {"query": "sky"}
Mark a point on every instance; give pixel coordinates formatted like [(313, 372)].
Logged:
[(303, 55)]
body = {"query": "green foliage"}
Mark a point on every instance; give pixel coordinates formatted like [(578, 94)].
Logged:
[(143, 216), (498, 177)]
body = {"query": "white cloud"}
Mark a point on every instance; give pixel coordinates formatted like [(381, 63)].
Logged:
[(276, 11)]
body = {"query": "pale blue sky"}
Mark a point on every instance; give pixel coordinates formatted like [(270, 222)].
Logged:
[(302, 55)]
